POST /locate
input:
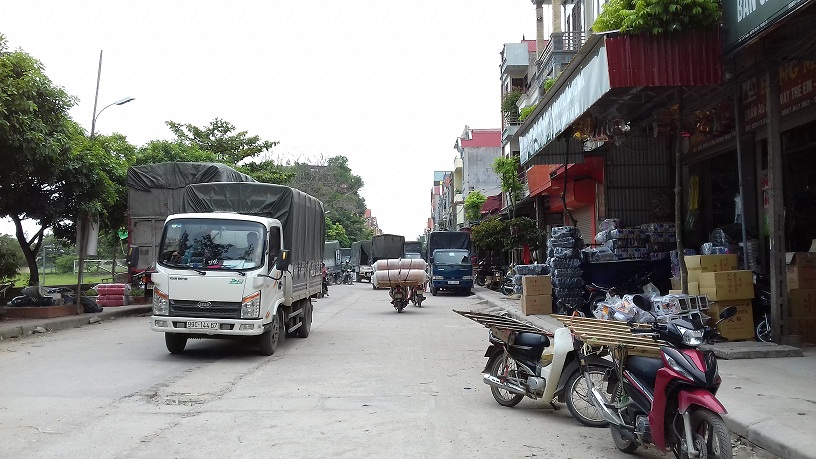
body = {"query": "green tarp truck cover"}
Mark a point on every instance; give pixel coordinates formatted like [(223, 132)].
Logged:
[(447, 240), (387, 246), (361, 253), (157, 190), (300, 214)]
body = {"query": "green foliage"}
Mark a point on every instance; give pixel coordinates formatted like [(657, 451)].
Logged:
[(549, 83), (39, 172), (160, 151), (268, 172), (507, 169), (524, 230), (526, 111), (11, 258), (473, 205), (336, 232), (657, 16), (65, 263), (508, 105), (490, 234), (333, 183), (219, 138)]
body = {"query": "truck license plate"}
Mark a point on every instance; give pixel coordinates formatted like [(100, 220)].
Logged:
[(202, 325), (453, 282)]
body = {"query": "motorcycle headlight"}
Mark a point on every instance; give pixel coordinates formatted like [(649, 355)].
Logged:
[(251, 306), (690, 337), (161, 303)]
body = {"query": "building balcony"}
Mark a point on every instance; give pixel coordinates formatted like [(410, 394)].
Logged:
[(560, 50)]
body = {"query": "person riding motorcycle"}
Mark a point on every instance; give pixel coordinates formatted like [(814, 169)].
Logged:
[(325, 274)]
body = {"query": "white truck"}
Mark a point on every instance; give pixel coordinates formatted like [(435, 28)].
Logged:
[(241, 261)]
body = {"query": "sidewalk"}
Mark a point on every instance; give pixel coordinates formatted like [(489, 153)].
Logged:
[(770, 398), (13, 328)]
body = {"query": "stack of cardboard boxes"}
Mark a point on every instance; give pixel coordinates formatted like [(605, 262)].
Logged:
[(717, 277), (801, 314), (536, 296)]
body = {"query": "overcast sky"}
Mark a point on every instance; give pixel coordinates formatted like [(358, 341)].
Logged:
[(389, 85)]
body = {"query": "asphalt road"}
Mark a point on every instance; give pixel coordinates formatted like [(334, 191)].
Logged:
[(368, 382)]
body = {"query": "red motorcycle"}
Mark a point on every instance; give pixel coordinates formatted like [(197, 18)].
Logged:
[(670, 401)]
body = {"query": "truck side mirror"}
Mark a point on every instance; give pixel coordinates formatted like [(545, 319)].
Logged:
[(133, 257), (282, 262)]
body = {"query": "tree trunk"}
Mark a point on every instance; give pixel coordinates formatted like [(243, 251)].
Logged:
[(29, 250)]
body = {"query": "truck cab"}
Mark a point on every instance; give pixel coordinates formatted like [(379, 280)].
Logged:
[(225, 275), (452, 270)]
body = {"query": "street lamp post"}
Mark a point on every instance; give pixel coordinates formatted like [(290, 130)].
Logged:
[(83, 221)]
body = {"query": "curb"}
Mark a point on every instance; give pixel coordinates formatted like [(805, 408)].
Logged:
[(17, 328)]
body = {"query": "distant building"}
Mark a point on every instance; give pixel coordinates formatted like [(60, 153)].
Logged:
[(371, 223), (476, 149)]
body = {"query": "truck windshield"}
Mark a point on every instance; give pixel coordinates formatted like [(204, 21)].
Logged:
[(204, 243), (451, 257)]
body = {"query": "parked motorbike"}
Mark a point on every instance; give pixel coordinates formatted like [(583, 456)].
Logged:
[(399, 296), (508, 287), (525, 364), (596, 293), (762, 307), (670, 401), (325, 286), (483, 272)]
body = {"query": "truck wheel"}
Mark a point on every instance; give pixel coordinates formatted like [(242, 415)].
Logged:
[(305, 320), (268, 341), (175, 342), (433, 291)]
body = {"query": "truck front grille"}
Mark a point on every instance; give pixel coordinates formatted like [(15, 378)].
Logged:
[(216, 309)]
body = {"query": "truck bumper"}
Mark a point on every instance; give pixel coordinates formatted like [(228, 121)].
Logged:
[(204, 326), (452, 284)]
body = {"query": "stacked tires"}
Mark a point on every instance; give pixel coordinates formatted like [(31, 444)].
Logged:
[(564, 258)]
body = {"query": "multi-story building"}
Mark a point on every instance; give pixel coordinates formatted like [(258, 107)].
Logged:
[(476, 149), (371, 223), (440, 205)]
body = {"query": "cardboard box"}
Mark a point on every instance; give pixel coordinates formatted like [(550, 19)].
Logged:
[(536, 285), (804, 327), (696, 264), (693, 287), (801, 303), (727, 285), (801, 269), (536, 304), (739, 327)]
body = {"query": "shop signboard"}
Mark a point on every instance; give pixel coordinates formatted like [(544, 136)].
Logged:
[(746, 19), (796, 91), (583, 88)]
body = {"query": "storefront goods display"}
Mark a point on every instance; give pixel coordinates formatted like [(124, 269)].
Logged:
[(564, 258)]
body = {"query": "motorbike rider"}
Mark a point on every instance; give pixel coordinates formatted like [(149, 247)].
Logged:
[(325, 274)]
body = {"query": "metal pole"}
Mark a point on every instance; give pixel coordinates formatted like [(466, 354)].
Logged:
[(82, 228), (738, 128)]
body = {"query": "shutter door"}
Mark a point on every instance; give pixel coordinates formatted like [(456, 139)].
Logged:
[(585, 221)]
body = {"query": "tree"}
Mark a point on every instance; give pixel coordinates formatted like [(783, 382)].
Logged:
[(36, 145), (336, 232), (332, 182), (219, 138), (507, 169), (160, 151), (268, 172), (490, 234), (11, 258), (473, 205)]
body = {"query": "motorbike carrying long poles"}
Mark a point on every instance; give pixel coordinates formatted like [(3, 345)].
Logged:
[(662, 390)]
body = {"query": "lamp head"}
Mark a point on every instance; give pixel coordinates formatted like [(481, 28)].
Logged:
[(124, 101)]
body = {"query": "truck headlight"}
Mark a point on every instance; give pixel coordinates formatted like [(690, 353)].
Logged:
[(161, 303), (467, 277), (251, 306), (438, 278)]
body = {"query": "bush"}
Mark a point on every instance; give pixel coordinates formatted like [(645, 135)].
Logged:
[(65, 263)]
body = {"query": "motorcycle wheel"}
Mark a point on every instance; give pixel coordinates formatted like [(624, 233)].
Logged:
[(507, 289), (763, 330), (711, 434), (577, 397), (497, 369), (625, 445), (419, 302), (480, 281)]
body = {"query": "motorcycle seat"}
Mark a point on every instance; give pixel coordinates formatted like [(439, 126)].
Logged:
[(644, 368), (532, 340)]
